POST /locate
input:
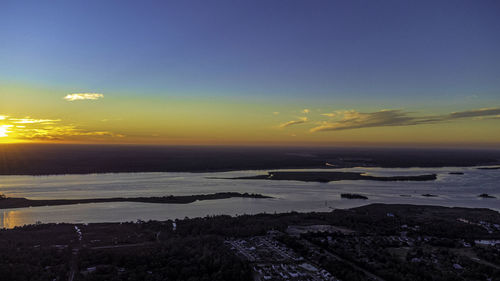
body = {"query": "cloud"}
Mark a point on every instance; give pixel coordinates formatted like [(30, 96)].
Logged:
[(475, 113), (331, 115), (48, 129), (110, 120), (301, 120), (355, 120), (63, 132), (3, 117), (276, 113), (28, 120), (305, 111), (83, 96)]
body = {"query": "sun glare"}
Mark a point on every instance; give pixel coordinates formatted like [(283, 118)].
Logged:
[(8, 136), (5, 134), (4, 130)]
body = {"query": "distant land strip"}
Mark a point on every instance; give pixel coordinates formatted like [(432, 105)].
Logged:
[(63, 159), (334, 176), (489, 168), (9, 203)]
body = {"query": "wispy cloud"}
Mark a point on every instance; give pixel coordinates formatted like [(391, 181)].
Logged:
[(83, 96), (475, 113), (331, 115), (352, 119), (28, 120), (48, 129), (62, 132), (306, 111), (301, 120)]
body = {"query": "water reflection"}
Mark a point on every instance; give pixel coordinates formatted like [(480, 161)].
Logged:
[(11, 219)]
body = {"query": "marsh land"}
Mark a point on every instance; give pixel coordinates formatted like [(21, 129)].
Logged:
[(334, 176)]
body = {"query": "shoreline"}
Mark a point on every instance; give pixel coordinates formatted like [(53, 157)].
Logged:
[(383, 209)]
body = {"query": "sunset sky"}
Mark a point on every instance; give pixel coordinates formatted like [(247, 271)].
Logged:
[(404, 73)]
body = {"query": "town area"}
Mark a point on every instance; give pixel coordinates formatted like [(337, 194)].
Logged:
[(374, 242)]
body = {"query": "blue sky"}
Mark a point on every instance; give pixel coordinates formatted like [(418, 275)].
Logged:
[(346, 50)]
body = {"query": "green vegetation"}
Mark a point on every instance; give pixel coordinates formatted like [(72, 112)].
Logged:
[(486, 195), (201, 257), (429, 195), (334, 176), (393, 242)]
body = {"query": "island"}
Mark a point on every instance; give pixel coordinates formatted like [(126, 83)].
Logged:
[(334, 176), (429, 195), (489, 168), (353, 196), (9, 203), (486, 195)]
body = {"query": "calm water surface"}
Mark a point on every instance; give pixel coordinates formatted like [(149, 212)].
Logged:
[(452, 190)]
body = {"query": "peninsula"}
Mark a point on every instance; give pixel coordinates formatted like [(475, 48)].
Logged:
[(9, 203)]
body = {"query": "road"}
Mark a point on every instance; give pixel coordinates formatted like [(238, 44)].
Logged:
[(122, 246), (74, 255)]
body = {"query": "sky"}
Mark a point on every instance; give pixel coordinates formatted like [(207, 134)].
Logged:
[(388, 73)]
